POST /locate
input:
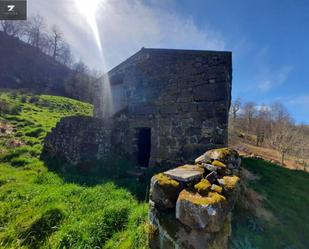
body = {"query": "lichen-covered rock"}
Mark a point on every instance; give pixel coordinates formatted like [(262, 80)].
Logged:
[(203, 187), (226, 160), (229, 183), (216, 188), (218, 164), (202, 212), (164, 191), (225, 155)]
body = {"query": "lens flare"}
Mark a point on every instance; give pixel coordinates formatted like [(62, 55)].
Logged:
[(88, 9)]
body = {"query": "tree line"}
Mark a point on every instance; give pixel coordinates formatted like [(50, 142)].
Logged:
[(270, 126), (51, 41)]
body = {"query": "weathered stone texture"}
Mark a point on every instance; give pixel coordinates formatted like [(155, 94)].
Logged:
[(200, 216), (182, 95), (79, 139)]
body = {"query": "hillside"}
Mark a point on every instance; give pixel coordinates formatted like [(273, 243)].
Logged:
[(23, 66), (276, 214), (41, 209)]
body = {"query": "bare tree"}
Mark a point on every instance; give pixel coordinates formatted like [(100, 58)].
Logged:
[(249, 110), (284, 138), (235, 108), (35, 29), (262, 124), (12, 28), (56, 41), (64, 55)]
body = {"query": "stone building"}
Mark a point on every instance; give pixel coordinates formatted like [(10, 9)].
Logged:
[(162, 105)]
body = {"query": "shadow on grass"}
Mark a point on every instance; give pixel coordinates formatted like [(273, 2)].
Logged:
[(114, 169), (286, 199)]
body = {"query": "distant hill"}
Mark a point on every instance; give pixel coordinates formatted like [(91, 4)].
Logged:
[(23, 66)]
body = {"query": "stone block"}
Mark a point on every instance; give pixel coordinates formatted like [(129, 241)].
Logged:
[(164, 191), (202, 212), (186, 173)]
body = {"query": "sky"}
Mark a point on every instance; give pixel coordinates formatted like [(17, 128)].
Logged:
[(268, 38)]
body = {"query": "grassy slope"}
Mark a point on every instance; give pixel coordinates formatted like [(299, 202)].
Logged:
[(287, 198), (38, 209)]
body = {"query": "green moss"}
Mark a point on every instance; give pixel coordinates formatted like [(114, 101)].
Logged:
[(203, 187), (210, 199)]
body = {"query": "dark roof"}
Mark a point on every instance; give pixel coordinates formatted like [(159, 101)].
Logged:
[(165, 50)]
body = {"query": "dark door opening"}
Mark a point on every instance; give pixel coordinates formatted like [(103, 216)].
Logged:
[(143, 146)]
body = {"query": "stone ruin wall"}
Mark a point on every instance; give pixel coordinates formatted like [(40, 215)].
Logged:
[(191, 205), (183, 96), (79, 139)]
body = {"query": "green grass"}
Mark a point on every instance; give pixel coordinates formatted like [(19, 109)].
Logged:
[(287, 199), (42, 209)]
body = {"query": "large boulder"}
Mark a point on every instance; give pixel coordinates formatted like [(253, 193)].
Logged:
[(164, 191), (202, 212)]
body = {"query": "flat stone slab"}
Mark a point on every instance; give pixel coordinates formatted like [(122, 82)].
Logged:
[(185, 173)]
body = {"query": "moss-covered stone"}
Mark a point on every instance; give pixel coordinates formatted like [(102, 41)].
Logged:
[(164, 191), (218, 164), (216, 188), (195, 198), (203, 187), (229, 182), (166, 181), (222, 154)]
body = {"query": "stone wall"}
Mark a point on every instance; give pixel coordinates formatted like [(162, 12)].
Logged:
[(79, 139), (182, 95), (190, 206)]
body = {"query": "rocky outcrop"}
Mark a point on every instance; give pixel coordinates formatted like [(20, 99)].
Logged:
[(190, 206)]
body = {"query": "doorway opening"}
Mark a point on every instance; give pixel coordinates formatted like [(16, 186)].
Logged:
[(143, 146)]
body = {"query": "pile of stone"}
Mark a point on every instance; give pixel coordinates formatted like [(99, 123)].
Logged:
[(191, 204)]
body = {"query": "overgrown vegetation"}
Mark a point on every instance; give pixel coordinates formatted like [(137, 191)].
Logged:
[(278, 203), (42, 209)]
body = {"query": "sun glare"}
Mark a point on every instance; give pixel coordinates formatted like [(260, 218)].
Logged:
[(88, 9)]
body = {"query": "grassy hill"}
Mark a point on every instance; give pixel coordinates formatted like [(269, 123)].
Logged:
[(23, 66), (40, 209), (278, 203)]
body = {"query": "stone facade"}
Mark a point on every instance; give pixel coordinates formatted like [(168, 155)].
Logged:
[(175, 102), (79, 139), (191, 205), (183, 96)]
